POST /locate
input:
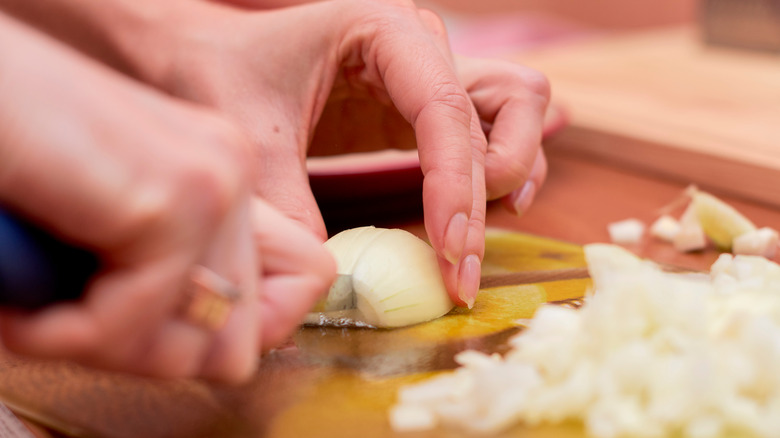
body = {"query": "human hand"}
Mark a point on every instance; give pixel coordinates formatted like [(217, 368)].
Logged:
[(153, 187), (511, 101), (378, 49), (379, 54)]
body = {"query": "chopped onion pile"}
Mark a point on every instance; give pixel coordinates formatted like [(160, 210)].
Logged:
[(650, 354)]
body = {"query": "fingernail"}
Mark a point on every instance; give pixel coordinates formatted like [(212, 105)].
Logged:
[(525, 198), (455, 237), (468, 279)]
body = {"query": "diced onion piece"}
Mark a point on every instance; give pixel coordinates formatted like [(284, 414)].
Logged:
[(690, 239), (761, 242), (605, 260), (628, 231), (395, 276), (405, 418), (720, 221), (691, 236), (665, 228)]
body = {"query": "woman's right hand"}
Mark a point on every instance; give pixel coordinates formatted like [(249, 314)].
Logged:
[(154, 187)]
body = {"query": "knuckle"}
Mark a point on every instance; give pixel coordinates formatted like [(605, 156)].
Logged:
[(506, 180), (217, 176), (504, 173), (516, 171), (450, 97), (211, 184), (518, 174), (201, 185), (523, 79), (452, 172), (478, 223), (450, 94), (447, 99), (433, 21), (536, 82)]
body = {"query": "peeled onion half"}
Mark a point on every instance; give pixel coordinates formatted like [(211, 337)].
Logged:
[(390, 277)]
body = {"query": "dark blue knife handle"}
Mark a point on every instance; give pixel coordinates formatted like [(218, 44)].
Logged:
[(37, 269)]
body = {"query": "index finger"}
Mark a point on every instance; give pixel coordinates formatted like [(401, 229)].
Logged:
[(423, 86)]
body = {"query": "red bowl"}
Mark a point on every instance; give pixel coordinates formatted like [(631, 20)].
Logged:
[(381, 186)]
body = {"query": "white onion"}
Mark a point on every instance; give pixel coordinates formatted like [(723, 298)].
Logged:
[(665, 228), (650, 354), (627, 231), (761, 242), (395, 277)]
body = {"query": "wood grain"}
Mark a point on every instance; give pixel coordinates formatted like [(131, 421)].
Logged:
[(582, 196), (328, 382), (531, 277), (664, 103)]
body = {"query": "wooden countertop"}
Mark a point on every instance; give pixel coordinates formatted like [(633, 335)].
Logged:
[(661, 101), (583, 195)]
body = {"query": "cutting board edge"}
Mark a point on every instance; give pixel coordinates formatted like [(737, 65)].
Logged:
[(745, 180)]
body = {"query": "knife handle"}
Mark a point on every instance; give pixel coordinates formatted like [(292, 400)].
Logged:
[(36, 268)]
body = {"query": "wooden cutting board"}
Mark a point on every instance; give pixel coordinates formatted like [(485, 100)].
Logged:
[(327, 383), (663, 102)]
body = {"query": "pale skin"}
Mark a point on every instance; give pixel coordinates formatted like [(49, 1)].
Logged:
[(323, 57), (477, 125), (77, 137)]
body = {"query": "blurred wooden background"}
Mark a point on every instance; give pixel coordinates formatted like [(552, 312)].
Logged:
[(607, 14)]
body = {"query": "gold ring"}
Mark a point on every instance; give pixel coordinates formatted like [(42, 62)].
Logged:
[(209, 299)]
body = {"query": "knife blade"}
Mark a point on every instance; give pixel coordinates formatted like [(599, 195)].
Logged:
[(339, 308), (341, 304)]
